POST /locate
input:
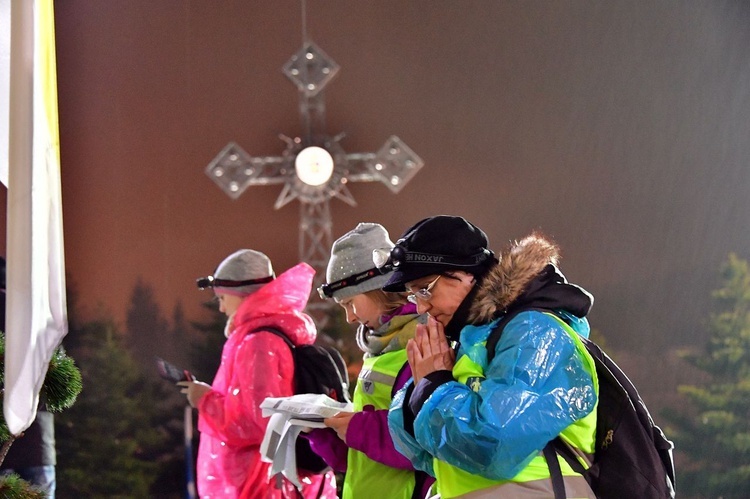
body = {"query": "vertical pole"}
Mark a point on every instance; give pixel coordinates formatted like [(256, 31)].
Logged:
[(190, 490), (314, 245)]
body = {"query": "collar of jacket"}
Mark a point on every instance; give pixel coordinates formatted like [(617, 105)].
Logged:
[(527, 272)]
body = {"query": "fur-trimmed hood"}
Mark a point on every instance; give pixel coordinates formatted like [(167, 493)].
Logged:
[(527, 273)]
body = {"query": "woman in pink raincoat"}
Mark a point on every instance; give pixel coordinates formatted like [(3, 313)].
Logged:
[(254, 365)]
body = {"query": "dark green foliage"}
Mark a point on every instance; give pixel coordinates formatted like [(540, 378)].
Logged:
[(124, 436), (4, 430), (61, 386), (714, 432), (63, 382), (105, 442), (13, 487), (204, 353), (182, 335), (147, 330)]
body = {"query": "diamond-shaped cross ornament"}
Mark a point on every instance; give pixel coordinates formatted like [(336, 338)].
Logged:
[(234, 170)]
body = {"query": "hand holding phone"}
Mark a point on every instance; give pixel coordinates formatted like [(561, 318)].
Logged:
[(194, 390), (170, 372)]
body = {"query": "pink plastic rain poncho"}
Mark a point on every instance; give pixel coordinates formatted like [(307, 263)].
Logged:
[(253, 367)]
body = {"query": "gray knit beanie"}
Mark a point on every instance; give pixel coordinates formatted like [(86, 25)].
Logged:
[(351, 255), (243, 265)]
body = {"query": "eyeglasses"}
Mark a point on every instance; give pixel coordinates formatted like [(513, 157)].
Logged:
[(424, 293)]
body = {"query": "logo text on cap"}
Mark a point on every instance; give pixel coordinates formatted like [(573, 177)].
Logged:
[(423, 258)]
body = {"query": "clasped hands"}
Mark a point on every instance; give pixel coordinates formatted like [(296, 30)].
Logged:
[(429, 350)]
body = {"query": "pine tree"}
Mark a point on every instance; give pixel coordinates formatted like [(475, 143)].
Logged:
[(182, 335), (714, 434), (62, 385), (204, 352), (147, 330), (104, 441)]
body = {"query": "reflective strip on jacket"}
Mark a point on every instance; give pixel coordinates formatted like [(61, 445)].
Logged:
[(366, 476)]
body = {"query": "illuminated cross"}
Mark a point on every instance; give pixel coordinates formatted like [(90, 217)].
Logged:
[(313, 168)]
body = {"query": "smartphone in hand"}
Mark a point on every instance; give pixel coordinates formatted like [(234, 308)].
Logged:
[(170, 372)]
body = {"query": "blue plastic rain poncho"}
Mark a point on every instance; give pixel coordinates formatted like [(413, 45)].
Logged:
[(492, 419)]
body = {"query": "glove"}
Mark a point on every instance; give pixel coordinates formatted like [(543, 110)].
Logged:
[(195, 390)]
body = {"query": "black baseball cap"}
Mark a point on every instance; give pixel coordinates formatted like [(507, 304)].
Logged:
[(436, 245)]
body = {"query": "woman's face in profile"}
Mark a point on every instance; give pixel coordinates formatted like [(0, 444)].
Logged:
[(228, 304), (446, 294), (362, 309)]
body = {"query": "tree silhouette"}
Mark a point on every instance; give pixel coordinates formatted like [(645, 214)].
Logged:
[(147, 330), (714, 433), (182, 335), (103, 440), (204, 351)]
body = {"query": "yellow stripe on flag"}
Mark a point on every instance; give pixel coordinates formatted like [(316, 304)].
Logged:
[(46, 65)]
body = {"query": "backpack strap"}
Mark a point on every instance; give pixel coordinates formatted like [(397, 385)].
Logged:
[(555, 446), (342, 371), (394, 390), (555, 473)]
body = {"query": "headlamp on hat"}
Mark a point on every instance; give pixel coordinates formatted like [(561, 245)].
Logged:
[(387, 259), (326, 290), (400, 255), (212, 282)]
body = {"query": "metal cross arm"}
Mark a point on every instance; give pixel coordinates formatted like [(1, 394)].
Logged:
[(234, 170), (313, 168)]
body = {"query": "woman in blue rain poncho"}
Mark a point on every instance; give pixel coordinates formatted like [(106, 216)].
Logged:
[(479, 426)]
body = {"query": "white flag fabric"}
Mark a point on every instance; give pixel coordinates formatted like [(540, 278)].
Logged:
[(4, 87), (36, 316)]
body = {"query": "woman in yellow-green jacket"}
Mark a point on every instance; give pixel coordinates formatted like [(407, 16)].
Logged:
[(359, 443)]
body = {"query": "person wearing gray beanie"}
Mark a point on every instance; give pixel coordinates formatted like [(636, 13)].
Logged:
[(239, 274), (387, 321), (350, 269), (255, 363)]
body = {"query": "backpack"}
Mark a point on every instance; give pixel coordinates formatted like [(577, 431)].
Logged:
[(632, 457), (317, 369)]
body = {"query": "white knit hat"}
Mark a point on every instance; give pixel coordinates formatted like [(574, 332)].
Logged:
[(243, 265), (351, 257)]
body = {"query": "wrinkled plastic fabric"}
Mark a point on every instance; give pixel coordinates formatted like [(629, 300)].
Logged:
[(534, 388), (253, 367), (402, 440)]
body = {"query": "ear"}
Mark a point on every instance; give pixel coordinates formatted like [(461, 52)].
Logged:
[(464, 277)]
